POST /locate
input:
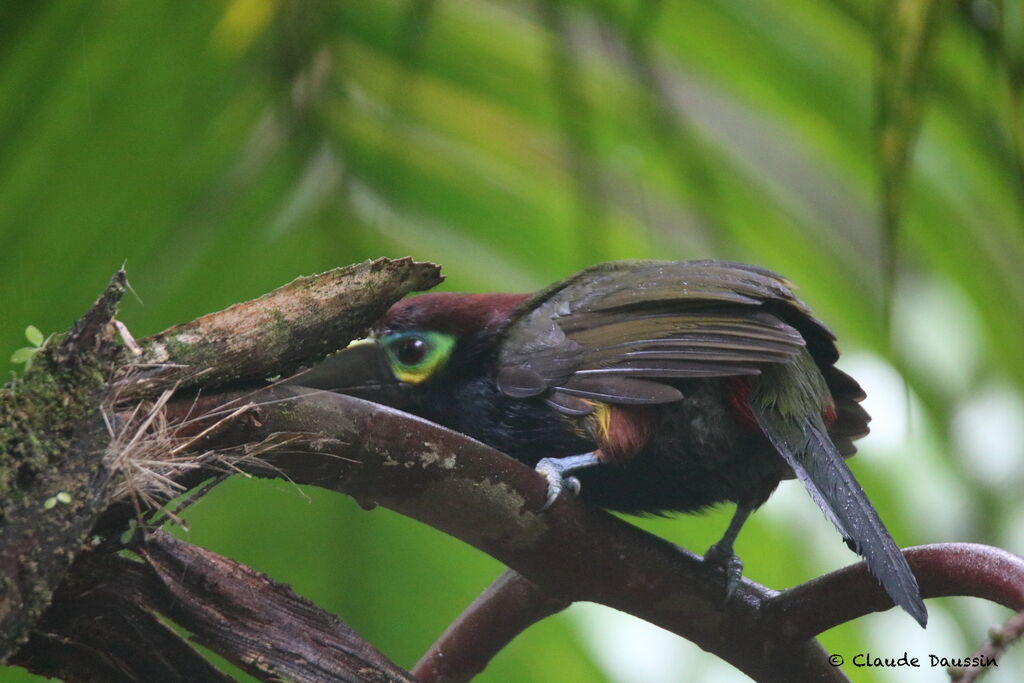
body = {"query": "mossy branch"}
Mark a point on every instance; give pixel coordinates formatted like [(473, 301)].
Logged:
[(54, 482), (65, 448)]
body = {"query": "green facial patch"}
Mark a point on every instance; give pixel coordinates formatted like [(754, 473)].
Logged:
[(415, 356)]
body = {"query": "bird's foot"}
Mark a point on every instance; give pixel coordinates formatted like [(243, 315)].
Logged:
[(722, 560), (554, 472), (556, 469)]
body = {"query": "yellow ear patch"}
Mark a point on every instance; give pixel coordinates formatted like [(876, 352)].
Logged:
[(603, 415), (597, 424)]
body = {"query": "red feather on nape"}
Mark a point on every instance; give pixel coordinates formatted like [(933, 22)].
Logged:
[(452, 312)]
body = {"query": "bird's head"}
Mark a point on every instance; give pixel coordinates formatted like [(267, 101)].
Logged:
[(421, 343)]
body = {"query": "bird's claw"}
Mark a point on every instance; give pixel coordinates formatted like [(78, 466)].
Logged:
[(554, 471), (728, 564)]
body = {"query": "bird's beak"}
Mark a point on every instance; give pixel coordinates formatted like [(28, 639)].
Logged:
[(362, 370)]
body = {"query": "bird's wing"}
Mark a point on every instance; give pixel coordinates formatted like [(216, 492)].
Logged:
[(621, 332)]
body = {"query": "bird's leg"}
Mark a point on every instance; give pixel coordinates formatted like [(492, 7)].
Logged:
[(721, 554), (556, 469)]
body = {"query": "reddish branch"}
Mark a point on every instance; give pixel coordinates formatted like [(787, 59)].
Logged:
[(942, 570), (508, 607), (574, 551)]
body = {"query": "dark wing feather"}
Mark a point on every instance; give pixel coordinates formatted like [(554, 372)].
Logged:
[(612, 331), (623, 390), (569, 405)]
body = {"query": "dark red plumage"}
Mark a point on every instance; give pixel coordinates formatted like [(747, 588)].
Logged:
[(624, 431), (737, 390), (453, 313)]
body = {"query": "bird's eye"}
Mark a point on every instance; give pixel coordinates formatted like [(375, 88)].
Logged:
[(415, 356), (411, 350)]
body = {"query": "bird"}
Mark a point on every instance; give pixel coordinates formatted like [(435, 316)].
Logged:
[(645, 387)]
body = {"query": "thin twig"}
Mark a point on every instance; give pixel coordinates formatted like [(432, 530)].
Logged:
[(175, 514), (1000, 638)]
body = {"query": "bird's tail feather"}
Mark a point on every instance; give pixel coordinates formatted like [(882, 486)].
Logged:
[(808, 450)]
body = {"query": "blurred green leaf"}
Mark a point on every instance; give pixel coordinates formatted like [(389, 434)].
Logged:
[(34, 336), (24, 354)]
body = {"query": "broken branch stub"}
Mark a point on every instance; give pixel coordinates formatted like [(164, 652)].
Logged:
[(54, 482), (103, 625), (257, 623), (277, 333)]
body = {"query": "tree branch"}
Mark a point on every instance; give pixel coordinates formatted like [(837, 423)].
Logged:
[(942, 570), (257, 623), (62, 459), (571, 552), (507, 608), (296, 324), (574, 551), (102, 624), (101, 627), (1000, 638), (54, 482)]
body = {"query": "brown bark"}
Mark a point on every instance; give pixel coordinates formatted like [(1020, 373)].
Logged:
[(102, 625), (259, 624)]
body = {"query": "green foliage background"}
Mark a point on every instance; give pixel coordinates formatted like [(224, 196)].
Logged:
[(872, 151)]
